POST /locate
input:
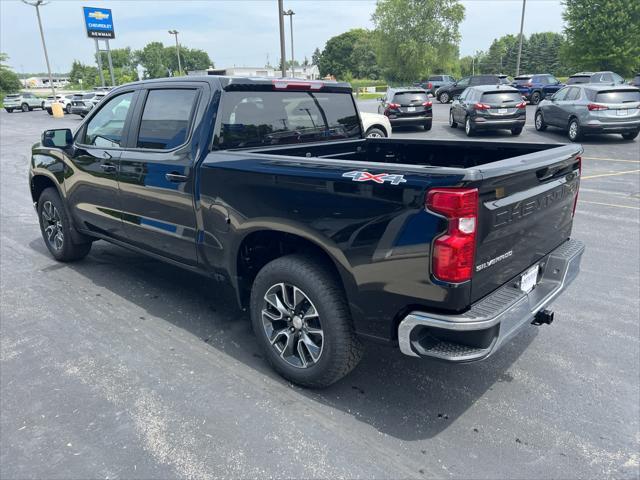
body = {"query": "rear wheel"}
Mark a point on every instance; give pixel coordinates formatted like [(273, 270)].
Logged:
[(24, 107), (575, 132), (56, 228), (301, 318), (68, 108), (516, 131), (42, 105), (428, 124), (444, 97), (630, 135), (452, 122), (10, 110), (535, 98), (374, 132), (539, 122), (469, 129)]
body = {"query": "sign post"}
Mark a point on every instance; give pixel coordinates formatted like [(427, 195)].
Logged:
[(99, 25)]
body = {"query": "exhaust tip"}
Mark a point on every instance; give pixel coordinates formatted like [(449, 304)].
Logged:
[(543, 317)]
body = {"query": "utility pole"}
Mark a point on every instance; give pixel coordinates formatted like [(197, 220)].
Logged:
[(175, 33), (37, 4), (524, 3), (291, 13), (283, 59)]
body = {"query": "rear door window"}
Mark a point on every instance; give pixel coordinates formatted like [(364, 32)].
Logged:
[(166, 118), (501, 97), (618, 96), (410, 98)]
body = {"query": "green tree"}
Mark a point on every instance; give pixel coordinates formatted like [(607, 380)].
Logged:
[(315, 57), (9, 81), (351, 54), (152, 58), (602, 35), (416, 37), (83, 75)]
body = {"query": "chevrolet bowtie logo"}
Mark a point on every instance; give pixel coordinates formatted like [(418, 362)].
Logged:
[(99, 15)]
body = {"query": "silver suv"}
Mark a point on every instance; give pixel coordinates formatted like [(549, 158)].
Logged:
[(22, 101), (592, 108)]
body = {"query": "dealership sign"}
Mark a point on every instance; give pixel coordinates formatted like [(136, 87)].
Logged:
[(99, 22)]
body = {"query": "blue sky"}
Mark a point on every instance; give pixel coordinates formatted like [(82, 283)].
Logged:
[(238, 32)]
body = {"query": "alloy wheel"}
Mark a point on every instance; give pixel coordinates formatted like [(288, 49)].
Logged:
[(292, 325), (538, 121), (374, 135), (467, 126), (444, 98), (573, 130), (52, 225)]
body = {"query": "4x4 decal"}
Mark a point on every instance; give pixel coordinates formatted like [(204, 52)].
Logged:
[(360, 176)]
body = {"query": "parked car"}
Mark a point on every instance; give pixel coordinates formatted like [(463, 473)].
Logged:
[(22, 101), (446, 93), (81, 104), (592, 108), (445, 249), (489, 107), (611, 78), (636, 80), (537, 87), (407, 107), (375, 125), (434, 82), (505, 79), (65, 100)]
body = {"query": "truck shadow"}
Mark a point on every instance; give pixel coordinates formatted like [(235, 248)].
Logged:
[(406, 398)]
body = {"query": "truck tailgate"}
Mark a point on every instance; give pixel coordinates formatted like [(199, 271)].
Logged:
[(526, 211)]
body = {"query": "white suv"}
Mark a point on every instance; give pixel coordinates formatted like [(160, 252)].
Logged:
[(65, 100), (22, 101)]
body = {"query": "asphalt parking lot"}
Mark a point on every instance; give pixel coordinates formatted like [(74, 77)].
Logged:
[(120, 366)]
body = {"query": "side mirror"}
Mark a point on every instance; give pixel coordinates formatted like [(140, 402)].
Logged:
[(57, 138)]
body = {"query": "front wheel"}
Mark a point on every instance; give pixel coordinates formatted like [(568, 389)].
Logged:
[(374, 132), (469, 129), (56, 227), (630, 135), (68, 108), (452, 122), (42, 105), (444, 97), (575, 132), (539, 122), (301, 318), (9, 110)]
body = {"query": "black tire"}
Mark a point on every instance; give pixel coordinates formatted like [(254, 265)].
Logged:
[(68, 108), (452, 122), (469, 128), (51, 211), (9, 110), (541, 126), (444, 97), (340, 349), (374, 132), (42, 105), (24, 107), (428, 124), (574, 131), (630, 135), (516, 131), (535, 98)]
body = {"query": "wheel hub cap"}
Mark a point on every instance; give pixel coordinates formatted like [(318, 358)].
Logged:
[(52, 225), (292, 325)]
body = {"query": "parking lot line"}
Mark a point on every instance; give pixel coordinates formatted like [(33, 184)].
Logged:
[(609, 204), (610, 174), (603, 159)]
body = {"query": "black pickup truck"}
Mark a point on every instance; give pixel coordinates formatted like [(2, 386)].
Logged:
[(445, 249)]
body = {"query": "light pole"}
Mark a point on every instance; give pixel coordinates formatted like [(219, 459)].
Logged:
[(524, 3), (37, 3), (283, 54), (175, 34), (290, 13)]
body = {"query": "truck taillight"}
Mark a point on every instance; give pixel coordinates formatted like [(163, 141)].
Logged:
[(454, 252), (575, 200), (595, 106)]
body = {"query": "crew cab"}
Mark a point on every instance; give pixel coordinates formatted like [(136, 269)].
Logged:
[(444, 249)]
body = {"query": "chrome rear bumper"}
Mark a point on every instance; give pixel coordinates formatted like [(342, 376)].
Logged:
[(490, 322)]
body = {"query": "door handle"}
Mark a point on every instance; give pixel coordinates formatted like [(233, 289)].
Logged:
[(176, 177), (108, 167)]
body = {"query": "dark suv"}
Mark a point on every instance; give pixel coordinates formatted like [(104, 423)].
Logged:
[(537, 87), (446, 93), (489, 107), (595, 77), (407, 106), (434, 82)]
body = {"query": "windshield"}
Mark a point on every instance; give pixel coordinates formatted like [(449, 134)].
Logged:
[(618, 96), (250, 119), (501, 97)]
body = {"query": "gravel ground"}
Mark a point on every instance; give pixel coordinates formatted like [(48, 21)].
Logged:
[(120, 366)]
